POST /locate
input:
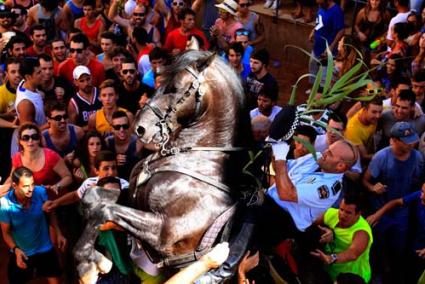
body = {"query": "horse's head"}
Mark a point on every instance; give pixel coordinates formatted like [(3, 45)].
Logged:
[(197, 87)]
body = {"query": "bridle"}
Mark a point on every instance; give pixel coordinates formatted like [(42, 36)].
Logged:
[(165, 125)]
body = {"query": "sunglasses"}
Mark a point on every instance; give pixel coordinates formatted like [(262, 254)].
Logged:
[(374, 91), (139, 14), (244, 5), (245, 33), (34, 137), (119, 126), (131, 71), (181, 4), (60, 117), (78, 50)]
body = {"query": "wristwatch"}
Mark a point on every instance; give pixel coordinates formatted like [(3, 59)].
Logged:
[(334, 258), (12, 250)]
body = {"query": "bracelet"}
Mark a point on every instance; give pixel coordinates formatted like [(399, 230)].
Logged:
[(13, 249)]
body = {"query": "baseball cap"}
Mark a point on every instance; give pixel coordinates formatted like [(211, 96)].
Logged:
[(80, 70), (5, 10), (229, 6), (405, 132)]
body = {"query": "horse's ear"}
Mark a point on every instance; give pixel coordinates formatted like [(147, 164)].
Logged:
[(204, 62)]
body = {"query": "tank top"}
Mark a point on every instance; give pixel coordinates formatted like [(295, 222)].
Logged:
[(125, 170), (85, 108), (35, 98), (69, 148), (102, 124), (48, 21), (342, 241), (76, 12), (93, 31), (250, 25)]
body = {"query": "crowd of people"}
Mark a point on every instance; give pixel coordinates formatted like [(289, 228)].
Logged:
[(75, 73)]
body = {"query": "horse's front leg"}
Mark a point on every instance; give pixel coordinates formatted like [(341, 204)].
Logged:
[(90, 261), (143, 225)]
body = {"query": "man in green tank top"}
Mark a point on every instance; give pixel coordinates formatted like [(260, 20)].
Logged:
[(348, 239)]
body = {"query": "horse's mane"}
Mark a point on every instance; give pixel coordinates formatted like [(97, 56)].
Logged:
[(201, 60)]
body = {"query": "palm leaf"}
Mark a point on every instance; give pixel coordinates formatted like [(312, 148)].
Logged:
[(308, 145)]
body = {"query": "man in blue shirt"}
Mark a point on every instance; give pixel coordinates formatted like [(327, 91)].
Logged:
[(25, 230), (417, 252), (329, 29), (393, 173)]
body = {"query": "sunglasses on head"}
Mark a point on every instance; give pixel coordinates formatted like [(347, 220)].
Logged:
[(244, 32), (78, 50), (131, 71), (244, 5), (119, 126), (139, 14), (59, 117), (181, 4), (34, 137)]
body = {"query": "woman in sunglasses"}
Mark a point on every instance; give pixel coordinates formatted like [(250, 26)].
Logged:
[(48, 167)]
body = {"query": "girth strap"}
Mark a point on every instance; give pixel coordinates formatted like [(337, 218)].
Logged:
[(205, 245), (193, 174)]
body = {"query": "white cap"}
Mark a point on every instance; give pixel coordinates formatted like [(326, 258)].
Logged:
[(80, 70), (129, 7), (228, 5)]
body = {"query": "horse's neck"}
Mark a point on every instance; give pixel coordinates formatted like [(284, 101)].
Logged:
[(206, 134)]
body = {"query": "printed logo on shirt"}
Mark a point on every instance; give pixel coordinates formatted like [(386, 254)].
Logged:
[(319, 23), (323, 192), (336, 187)]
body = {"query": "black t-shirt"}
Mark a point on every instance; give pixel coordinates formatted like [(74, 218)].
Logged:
[(254, 86), (130, 99), (110, 74), (60, 82)]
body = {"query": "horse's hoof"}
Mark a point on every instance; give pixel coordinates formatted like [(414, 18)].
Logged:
[(104, 265), (88, 273)]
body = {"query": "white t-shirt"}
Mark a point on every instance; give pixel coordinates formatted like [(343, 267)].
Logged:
[(35, 98), (399, 18), (275, 110), (92, 181)]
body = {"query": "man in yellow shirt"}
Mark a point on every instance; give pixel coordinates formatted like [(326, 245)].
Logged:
[(8, 89), (362, 125)]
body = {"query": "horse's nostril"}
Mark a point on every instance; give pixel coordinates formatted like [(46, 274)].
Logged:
[(140, 131)]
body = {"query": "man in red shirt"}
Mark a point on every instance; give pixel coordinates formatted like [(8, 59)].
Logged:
[(81, 56), (38, 36), (176, 41)]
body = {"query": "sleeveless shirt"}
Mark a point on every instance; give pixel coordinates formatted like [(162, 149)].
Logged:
[(35, 98), (93, 31), (102, 124), (85, 108), (342, 241), (76, 12), (69, 148)]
